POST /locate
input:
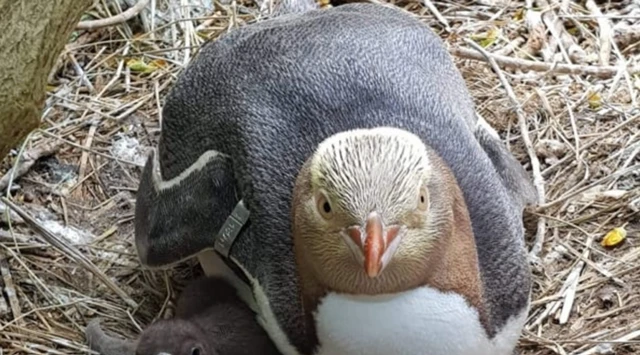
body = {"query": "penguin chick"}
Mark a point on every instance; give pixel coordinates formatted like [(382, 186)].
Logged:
[(210, 320)]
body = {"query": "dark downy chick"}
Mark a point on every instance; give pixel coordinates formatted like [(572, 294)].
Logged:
[(210, 320)]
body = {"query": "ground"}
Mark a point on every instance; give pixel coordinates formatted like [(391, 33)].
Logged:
[(76, 177)]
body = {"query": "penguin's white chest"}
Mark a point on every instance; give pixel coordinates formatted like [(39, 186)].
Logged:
[(423, 321)]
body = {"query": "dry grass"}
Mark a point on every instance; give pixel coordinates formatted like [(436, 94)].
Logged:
[(77, 175)]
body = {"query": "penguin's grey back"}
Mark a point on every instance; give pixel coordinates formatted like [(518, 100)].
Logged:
[(268, 93)]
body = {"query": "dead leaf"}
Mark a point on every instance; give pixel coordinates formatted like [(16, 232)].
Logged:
[(595, 101), (519, 15), (614, 237), (488, 38), (140, 66), (158, 63)]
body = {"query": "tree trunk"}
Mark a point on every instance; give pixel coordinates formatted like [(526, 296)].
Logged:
[(34, 33)]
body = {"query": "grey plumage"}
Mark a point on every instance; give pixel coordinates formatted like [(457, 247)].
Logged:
[(105, 344), (266, 94)]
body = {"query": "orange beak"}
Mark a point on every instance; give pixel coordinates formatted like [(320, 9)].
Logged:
[(378, 245)]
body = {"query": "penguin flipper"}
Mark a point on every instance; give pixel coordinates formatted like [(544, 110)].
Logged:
[(180, 217), (513, 175)]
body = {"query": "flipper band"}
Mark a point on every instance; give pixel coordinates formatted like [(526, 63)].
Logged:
[(231, 229)]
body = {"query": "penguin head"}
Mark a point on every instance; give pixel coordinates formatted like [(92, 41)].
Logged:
[(365, 209), (174, 337)]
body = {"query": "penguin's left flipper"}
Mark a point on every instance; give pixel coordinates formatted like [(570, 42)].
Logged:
[(180, 217), (514, 177)]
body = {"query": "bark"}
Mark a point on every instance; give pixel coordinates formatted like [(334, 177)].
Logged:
[(32, 36)]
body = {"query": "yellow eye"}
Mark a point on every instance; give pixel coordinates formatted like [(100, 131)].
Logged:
[(324, 206), (423, 199)]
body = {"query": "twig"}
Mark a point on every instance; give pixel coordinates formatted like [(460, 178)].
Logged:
[(538, 181), (79, 146), (434, 10), (114, 20), (606, 273), (13, 237), (81, 72), (4, 307), (571, 194), (560, 38), (84, 157), (604, 33), (510, 47), (573, 279), (9, 288), (603, 72), (29, 159), (592, 143), (69, 251), (626, 338)]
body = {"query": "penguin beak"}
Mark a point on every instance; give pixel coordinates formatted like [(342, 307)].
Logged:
[(374, 245)]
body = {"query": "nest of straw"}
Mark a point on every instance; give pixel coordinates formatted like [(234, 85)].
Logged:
[(560, 89)]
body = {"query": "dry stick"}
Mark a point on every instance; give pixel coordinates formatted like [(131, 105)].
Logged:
[(114, 20), (4, 307), (434, 10), (538, 181), (606, 273), (571, 194), (68, 250), (29, 159), (510, 47), (84, 157), (592, 143), (573, 279), (81, 147), (9, 288), (8, 237), (6, 215), (81, 72), (605, 32), (623, 339), (603, 72)]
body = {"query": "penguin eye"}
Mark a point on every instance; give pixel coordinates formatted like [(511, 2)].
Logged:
[(196, 350), (423, 200), (324, 206)]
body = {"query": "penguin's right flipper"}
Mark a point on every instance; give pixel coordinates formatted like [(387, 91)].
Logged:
[(180, 217)]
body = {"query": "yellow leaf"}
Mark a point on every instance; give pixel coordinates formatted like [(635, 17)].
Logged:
[(519, 15), (595, 101), (486, 39), (140, 66), (614, 237)]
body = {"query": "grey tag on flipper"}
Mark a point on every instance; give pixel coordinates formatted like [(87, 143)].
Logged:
[(177, 218), (231, 229)]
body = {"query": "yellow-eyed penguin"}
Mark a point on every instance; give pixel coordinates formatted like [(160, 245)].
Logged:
[(333, 159)]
